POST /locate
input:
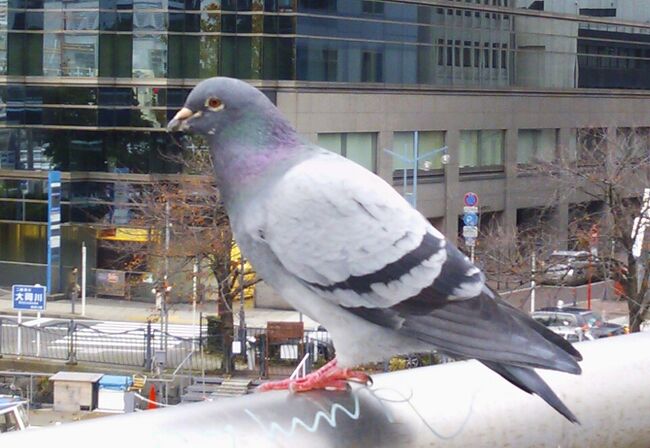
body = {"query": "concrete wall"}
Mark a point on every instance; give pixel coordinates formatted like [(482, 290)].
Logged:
[(386, 112), (546, 52)]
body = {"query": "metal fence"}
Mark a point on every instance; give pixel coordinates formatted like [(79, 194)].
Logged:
[(146, 347), (273, 359), (149, 349), (74, 341)]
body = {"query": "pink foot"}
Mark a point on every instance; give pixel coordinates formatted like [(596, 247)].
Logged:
[(330, 376)]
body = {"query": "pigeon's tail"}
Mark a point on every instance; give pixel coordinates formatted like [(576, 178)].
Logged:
[(486, 328), (526, 378), (529, 381)]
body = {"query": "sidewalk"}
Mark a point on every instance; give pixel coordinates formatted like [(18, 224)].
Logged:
[(181, 313), (133, 311)]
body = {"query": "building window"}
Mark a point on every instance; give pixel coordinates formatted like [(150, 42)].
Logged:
[(326, 5), (372, 7), (360, 147), (632, 143), (441, 52), (481, 149), (70, 43), (535, 145), (372, 67), (591, 145), (598, 12), (330, 64), (486, 55), (427, 141), (467, 54)]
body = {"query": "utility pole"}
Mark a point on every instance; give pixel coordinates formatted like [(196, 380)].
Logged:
[(195, 272), (83, 278), (533, 272), (166, 286), (242, 318)]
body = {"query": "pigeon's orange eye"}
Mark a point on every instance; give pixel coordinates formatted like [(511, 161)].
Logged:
[(214, 104)]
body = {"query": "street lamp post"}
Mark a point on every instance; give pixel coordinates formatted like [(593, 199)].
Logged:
[(161, 292), (412, 162), (242, 318)]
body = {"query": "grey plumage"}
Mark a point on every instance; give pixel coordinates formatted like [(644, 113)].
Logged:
[(343, 247)]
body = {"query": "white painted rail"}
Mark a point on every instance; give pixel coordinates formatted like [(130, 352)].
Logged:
[(459, 404)]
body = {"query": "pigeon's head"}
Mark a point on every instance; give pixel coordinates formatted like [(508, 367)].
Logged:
[(219, 104)]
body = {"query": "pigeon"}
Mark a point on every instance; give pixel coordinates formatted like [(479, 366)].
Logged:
[(342, 246)]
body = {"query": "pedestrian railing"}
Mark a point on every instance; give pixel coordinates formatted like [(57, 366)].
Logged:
[(75, 341), (280, 359), (148, 348)]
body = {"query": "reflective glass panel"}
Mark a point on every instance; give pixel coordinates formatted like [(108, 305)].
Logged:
[(536, 145), (360, 148), (333, 142), (429, 150), (149, 56)]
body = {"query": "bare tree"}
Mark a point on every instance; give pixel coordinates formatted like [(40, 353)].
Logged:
[(188, 209), (607, 177), (506, 254)]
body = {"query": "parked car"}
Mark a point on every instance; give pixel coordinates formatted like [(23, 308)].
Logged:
[(587, 321), (573, 334), (571, 268)]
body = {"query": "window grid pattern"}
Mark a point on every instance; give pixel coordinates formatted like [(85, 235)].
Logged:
[(481, 149), (360, 147), (489, 44)]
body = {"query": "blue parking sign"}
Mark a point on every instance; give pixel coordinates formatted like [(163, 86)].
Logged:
[(470, 219), (28, 297)]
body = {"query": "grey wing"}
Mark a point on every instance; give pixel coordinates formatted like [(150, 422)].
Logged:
[(347, 235), (354, 240)]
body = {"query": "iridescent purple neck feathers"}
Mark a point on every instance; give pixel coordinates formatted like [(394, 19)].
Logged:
[(252, 147)]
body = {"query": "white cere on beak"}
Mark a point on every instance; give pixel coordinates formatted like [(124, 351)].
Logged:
[(183, 114)]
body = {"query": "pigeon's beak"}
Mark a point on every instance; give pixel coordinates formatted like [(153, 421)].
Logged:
[(178, 124)]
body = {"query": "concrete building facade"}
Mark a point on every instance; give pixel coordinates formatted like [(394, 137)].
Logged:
[(87, 88)]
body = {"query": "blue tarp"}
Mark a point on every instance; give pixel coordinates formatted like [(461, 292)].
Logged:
[(115, 382)]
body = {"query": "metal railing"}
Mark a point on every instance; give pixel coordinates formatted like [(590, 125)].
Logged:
[(280, 359), (75, 341), (453, 405), (301, 370)]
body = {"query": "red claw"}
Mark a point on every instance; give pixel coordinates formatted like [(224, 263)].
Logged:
[(329, 377)]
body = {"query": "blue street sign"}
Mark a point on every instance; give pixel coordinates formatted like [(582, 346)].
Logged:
[(53, 228), (28, 297), (470, 199), (470, 219)]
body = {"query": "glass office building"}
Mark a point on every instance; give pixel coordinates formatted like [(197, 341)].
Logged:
[(87, 86)]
